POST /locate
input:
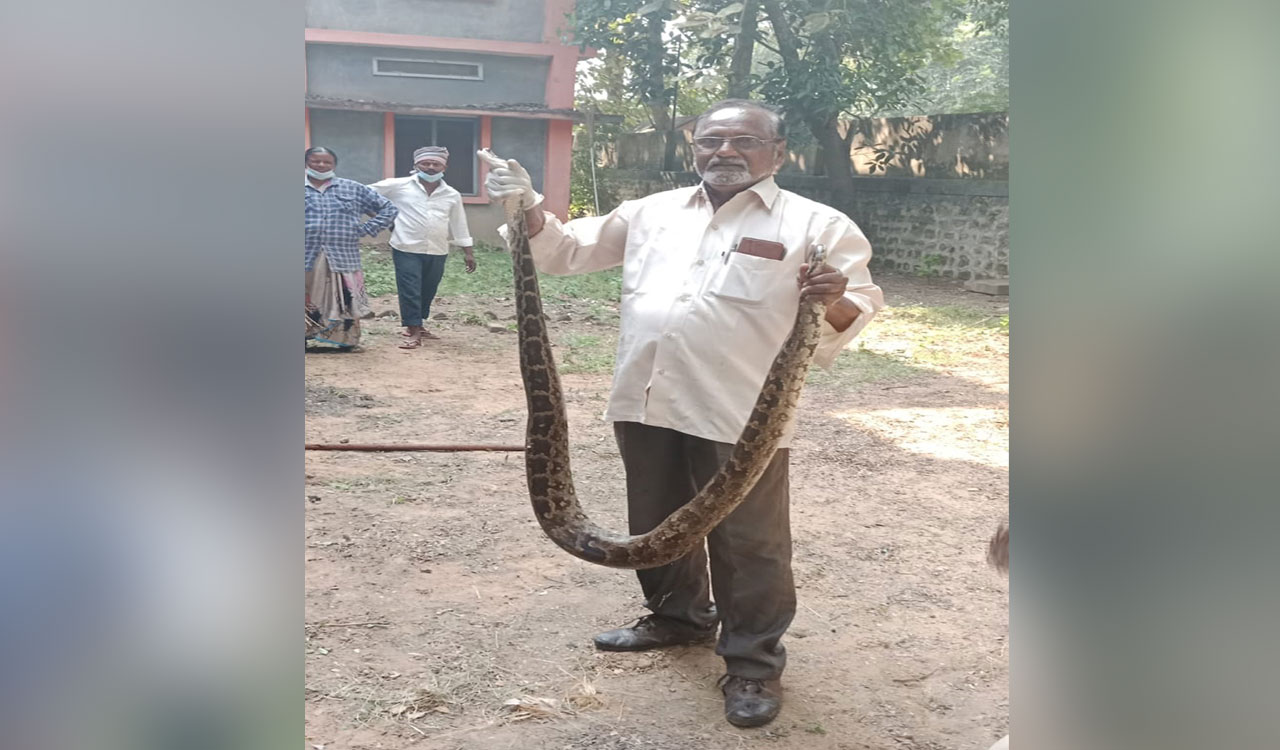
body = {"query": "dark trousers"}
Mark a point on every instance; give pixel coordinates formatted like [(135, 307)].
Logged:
[(417, 279), (750, 551)]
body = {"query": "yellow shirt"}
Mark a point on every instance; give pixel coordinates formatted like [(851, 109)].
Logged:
[(701, 324)]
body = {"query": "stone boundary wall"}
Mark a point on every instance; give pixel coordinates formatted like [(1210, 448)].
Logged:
[(948, 227)]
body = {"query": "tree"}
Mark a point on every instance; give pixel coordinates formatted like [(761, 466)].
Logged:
[(633, 31), (976, 77), (826, 59), (843, 58), (821, 61), (744, 47)]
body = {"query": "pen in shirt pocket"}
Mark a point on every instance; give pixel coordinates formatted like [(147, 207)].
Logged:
[(732, 249)]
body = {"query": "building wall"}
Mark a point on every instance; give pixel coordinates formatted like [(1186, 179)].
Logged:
[(962, 146), (507, 20), (525, 46), (526, 142), (346, 72), (360, 135), (357, 139), (953, 228)]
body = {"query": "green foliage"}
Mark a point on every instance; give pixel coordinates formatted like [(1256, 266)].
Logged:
[(856, 57), (976, 77), (827, 60), (632, 32), (648, 67), (583, 181)]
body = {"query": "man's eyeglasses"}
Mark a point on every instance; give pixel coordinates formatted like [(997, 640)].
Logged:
[(740, 143)]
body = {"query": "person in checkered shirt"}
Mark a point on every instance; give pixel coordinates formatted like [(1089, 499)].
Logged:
[(334, 209)]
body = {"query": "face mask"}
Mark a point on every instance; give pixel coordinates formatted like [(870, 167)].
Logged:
[(320, 175), (438, 176)]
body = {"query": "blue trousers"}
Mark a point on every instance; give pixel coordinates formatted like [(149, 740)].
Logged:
[(417, 279)]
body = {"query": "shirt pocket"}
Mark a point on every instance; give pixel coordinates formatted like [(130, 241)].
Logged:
[(747, 279), (349, 215), (437, 216)]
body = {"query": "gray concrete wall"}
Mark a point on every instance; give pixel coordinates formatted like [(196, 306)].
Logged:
[(958, 236), (953, 228), (524, 141), (484, 220), (346, 72), (357, 139), (508, 20)]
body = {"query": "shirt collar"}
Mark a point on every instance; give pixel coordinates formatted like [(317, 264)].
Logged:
[(444, 189), (766, 190), (306, 183)]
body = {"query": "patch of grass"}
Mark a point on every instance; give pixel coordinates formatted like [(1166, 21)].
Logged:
[(587, 353), (862, 366), (362, 483), (493, 278), (601, 285), (939, 336), (379, 272), (948, 316)]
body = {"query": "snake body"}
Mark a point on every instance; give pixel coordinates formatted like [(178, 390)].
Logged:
[(550, 479)]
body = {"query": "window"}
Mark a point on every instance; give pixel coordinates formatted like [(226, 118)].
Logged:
[(458, 134), (393, 66)]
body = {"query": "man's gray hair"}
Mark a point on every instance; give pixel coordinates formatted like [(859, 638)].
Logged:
[(779, 124)]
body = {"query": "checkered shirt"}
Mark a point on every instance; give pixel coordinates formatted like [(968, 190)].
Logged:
[(333, 221)]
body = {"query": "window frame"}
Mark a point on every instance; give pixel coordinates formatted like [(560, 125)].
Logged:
[(479, 76), (477, 138)]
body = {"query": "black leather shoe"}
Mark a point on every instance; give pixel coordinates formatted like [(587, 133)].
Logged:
[(750, 703), (653, 631)]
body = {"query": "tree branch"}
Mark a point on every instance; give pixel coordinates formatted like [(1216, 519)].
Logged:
[(744, 47), (788, 44)]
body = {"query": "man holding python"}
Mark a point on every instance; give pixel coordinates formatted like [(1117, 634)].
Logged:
[(712, 277)]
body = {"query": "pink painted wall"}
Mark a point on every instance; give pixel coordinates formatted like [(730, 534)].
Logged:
[(560, 85)]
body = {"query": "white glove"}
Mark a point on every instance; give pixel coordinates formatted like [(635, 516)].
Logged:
[(507, 179)]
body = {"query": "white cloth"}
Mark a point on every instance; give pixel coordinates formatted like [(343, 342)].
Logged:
[(426, 224), (700, 324)]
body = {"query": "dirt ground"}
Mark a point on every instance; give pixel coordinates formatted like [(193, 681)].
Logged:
[(439, 617)]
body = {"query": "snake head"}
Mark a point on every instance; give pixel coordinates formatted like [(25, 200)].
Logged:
[(816, 256)]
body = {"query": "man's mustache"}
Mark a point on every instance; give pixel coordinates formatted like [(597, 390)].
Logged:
[(726, 163)]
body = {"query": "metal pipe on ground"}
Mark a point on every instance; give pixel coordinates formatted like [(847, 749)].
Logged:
[(393, 448)]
